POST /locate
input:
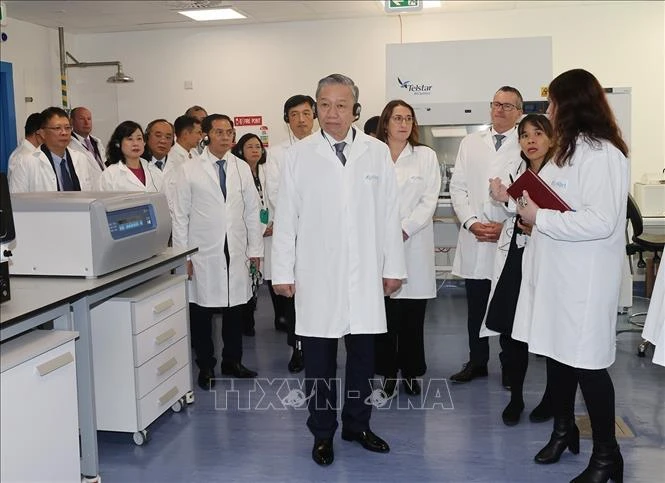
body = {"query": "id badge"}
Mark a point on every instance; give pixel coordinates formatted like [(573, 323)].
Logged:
[(263, 216)]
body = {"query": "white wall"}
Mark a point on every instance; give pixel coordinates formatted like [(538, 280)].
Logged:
[(33, 53), (252, 69)]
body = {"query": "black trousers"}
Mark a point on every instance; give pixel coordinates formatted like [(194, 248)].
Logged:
[(402, 347), (515, 362), (477, 297), (200, 324), (320, 380), (248, 319), (285, 309), (597, 390)]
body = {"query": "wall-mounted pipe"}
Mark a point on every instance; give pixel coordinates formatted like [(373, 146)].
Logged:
[(119, 76), (63, 67)]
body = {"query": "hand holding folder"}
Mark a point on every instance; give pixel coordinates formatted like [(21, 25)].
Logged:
[(539, 192)]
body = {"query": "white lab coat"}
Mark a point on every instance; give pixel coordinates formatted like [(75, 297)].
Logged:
[(273, 171), (571, 276), (26, 148), (419, 183), (35, 173), (654, 326), (118, 177), (265, 204), (203, 219), (337, 234), (477, 162), (177, 158), (95, 170)]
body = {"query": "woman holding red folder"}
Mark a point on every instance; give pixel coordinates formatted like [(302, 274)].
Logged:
[(536, 138), (572, 272)]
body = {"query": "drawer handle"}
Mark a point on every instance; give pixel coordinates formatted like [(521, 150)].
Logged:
[(55, 364), (163, 306), (172, 362), (160, 339), (168, 396)]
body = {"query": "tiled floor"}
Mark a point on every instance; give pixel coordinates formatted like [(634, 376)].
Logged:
[(463, 443)]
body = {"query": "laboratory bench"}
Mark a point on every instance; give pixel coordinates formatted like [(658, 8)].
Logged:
[(68, 301)]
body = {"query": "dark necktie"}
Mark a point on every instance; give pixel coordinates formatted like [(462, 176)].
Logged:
[(222, 176), (159, 164), (91, 148), (499, 141), (339, 151), (67, 182)]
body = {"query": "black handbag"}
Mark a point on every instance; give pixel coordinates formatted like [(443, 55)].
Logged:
[(501, 309)]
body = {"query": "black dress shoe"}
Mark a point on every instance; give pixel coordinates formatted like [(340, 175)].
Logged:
[(206, 379), (411, 386), (297, 362), (511, 414), (368, 440), (236, 369), (280, 324), (389, 385), (322, 452), (469, 372)]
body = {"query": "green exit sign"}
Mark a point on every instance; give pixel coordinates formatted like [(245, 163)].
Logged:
[(393, 6)]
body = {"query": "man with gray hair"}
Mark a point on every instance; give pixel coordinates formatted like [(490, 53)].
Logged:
[(338, 199)]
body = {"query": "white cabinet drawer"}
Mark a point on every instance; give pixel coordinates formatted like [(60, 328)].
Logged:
[(161, 367), (157, 307), (163, 396), (157, 338), (39, 416)]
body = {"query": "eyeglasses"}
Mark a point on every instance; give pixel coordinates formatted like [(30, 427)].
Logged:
[(59, 128), (400, 119), (504, 106)]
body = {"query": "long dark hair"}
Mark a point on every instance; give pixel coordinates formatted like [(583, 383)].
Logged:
[(581, 109), (541, 122), (384, 119), (237, 150), (113, 150)]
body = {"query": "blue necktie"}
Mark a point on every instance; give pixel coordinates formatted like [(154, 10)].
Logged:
[(339, 151), (159, 164), (499, 141), (67, 182), (222, 176)]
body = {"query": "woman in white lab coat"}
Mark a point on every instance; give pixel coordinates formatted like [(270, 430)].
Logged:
[(536, 138), (567, 308), (419, 182), (127, 171), (251, 150)]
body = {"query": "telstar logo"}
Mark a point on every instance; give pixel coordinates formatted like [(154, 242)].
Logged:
[(415, 89)]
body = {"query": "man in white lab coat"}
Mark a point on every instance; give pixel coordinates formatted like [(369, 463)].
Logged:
[(216, 208), (299, 115), (188, 136), (84, 142), (338, 247), (30, 143), (53, 167), (482, 155)]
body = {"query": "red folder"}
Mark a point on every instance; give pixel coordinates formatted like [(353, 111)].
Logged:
[(539, 192)]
